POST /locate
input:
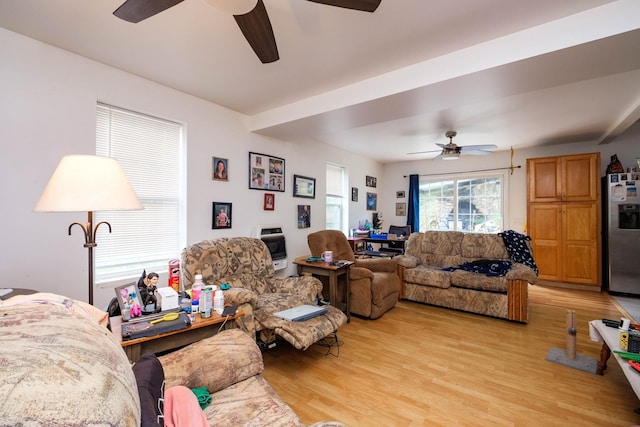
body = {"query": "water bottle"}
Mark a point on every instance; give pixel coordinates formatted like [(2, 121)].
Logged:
[(196, 288), (218, 302), (194, 309)]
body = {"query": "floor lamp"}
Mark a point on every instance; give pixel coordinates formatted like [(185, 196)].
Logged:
[(88, 183)]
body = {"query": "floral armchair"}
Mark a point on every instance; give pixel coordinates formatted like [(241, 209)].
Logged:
[(246, 265)]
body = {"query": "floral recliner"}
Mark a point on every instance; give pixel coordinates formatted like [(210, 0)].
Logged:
[(246, 265)]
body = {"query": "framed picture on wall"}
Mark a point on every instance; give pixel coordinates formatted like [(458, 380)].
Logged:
[(266, 172), (303, 186), (304, 216), (400, 195), (371, 181), (372, 201), (220, 169), (401, 209), (269, 201), (354, 194), (221, 215)]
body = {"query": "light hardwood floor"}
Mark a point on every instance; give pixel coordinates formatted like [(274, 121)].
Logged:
[(422, 365)]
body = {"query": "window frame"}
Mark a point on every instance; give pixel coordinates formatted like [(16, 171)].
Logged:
[(455, 179), (160, 226)]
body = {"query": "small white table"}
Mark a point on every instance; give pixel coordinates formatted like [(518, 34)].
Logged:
[(610, 339)]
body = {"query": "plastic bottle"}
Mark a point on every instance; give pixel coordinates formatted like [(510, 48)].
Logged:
[(218, 302), (195, 307), (196, 288)]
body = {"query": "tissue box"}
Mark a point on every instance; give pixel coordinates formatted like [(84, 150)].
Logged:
[(167, 298)]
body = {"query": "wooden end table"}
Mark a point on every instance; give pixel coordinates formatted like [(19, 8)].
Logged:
[(325, 269), (200, 328)]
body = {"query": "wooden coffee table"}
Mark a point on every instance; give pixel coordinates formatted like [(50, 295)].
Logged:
[(199, 329)]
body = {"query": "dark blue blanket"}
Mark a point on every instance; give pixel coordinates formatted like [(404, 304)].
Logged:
[(492, 268)]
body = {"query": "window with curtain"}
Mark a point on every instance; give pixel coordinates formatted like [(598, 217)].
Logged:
[(335, 206), (468, 203), (149, 150)]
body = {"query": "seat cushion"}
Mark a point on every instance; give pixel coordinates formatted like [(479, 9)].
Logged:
[(428, 276)]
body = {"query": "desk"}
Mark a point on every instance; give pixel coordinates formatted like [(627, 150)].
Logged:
[(199, 329), (610, 339), (398, 251), (357, 243), (320, 268)]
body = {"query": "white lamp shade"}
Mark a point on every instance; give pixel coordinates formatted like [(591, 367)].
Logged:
[(88, 183)]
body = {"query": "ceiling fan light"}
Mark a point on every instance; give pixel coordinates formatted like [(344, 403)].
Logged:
[(234, 7), (450, 156)]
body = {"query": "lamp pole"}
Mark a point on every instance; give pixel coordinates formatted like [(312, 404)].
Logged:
[(90, 242)]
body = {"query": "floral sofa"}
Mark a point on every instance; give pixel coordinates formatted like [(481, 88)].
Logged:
[(481, 273), (61, 366), (246, 265)]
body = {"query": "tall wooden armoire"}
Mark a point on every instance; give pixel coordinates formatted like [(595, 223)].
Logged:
[(564, 217)]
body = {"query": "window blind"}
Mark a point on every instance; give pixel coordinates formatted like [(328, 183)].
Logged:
[(149, 150)]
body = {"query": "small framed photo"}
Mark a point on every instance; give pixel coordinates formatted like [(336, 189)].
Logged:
[(304, 216), (354, 194), (371, 181), (372, 201), (269, 201), (303, 186), (220, 169), (399, 194), (128, 295), (221, 215), (401, 209)]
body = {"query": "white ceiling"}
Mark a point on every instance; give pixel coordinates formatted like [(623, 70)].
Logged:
[(515, 73)]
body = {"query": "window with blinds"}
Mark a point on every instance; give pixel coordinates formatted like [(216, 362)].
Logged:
[(149, 150), (335, 197)]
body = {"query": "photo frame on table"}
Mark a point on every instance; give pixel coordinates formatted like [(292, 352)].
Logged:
[(128, 295), (269, 201), (266, 172), (354, 194), (371, 181), (401, 209), (221, 215), (303, 186), (372, 201), (219, 169)]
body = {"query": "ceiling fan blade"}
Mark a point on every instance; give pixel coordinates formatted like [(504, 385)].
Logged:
[(256, 27), (138, 10), (478, 147), (476, 152), (362, 5), (425, 152)]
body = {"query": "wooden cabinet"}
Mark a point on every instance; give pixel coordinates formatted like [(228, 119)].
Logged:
[(573, 178), (564, 217)]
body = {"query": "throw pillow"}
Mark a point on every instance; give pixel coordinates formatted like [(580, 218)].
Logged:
[(518, 248), (150, 378)]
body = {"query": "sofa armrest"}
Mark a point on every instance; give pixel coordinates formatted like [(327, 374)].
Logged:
[(356, 273), (407, 261), (520, 271), (215, 363), (387, 265), (239, 296)]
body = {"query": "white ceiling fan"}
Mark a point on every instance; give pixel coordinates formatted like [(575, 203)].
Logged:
[(452, 151)]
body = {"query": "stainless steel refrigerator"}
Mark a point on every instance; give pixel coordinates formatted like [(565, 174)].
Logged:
[(622, 206)]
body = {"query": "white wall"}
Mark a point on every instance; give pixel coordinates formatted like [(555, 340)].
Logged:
[(47, 110)]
